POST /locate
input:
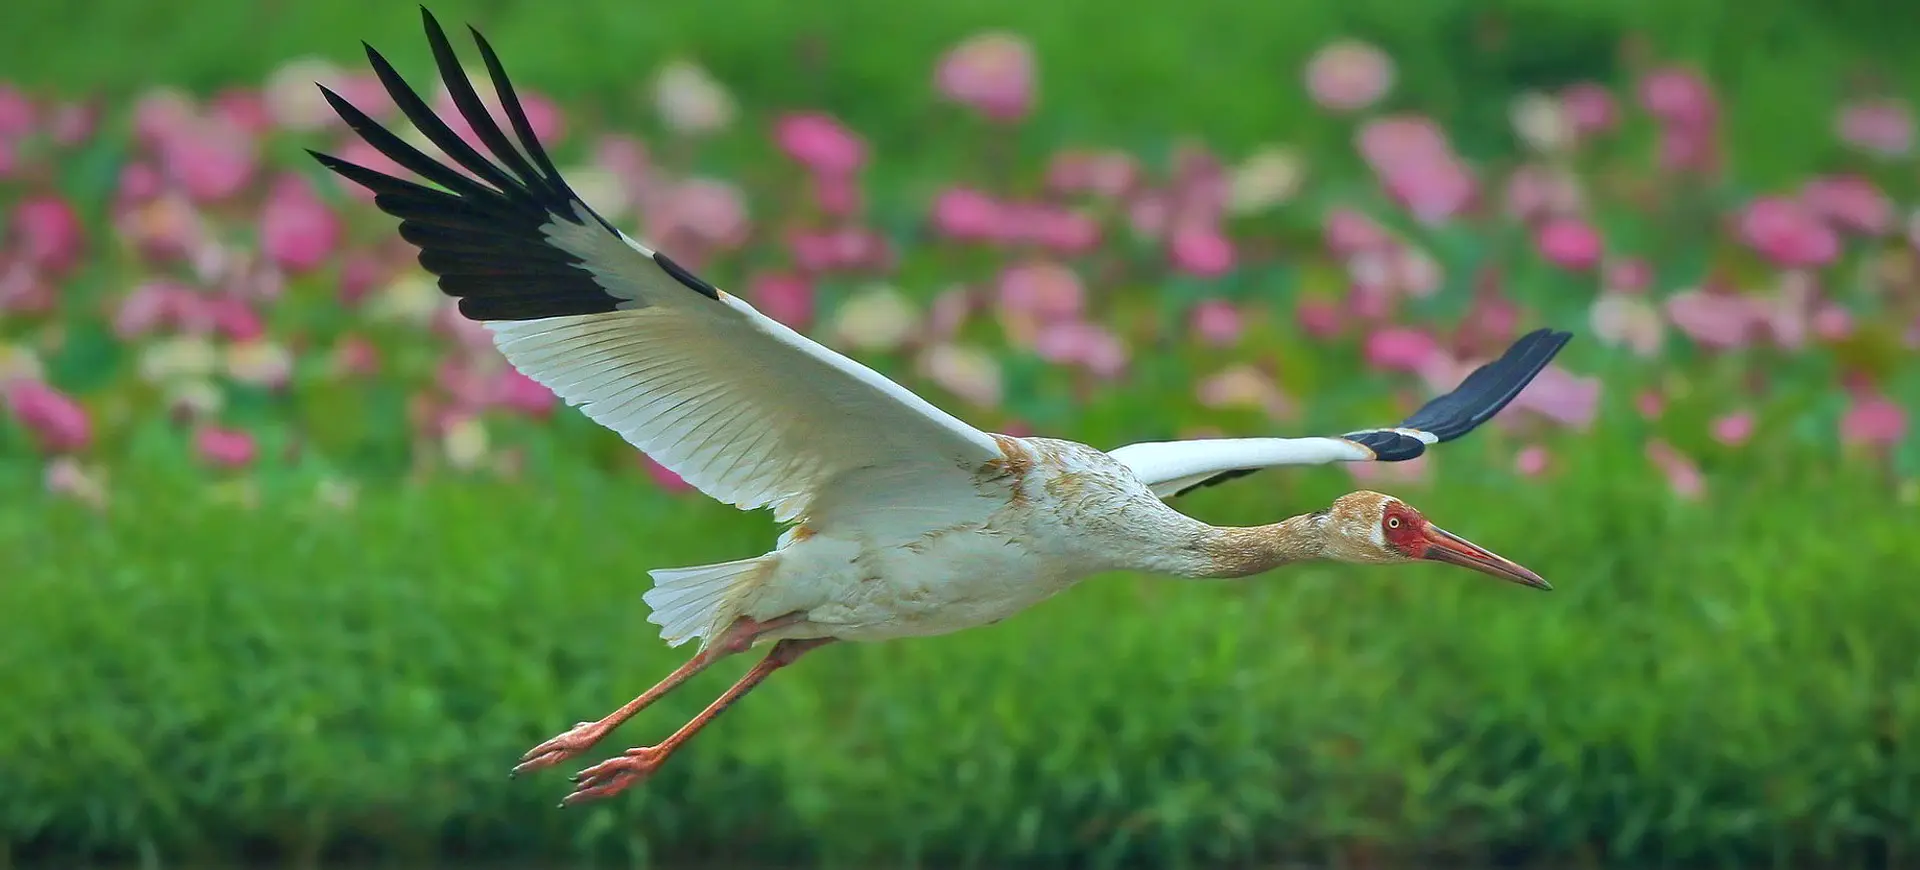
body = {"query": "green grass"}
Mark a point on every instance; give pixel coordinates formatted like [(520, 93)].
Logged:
[(1731, 681), (1130, 73)]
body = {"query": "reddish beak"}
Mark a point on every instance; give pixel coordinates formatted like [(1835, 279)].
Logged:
[(1445, 546)]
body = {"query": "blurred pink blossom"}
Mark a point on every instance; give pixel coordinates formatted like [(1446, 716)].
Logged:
[(73, 123), (1733, 429), (1110, 173), (232, 317), (1349, 75), (1850, 203), (543, 115), (1562, 397), (1716, 320), (16, 112), (1536, 192), (1630, 321), (244, 109), (1873, 421), (661, 476), (53, 418), (23, 290), (1631, 275), (1531, 461), (1881, 126), (967, 215), (1683, 477), (711, 211), (212, 159), (1216, 323), (1349, 232), (1043, 290), (1688, 149), (1590, 108), (836, 195), (1090, 346), (1200, 251), (847, 248), (47, 232), (224, 448), (1787, 234), (1569, 243), (993, 73), (950, 309), (1318, 318), (1832, 324), (360, 275), (1397, 140), (820, 143), (298, 231), (783, 296), (355, 356), (1400, 349), (1679, 97), (521, 394), (1650, 404)]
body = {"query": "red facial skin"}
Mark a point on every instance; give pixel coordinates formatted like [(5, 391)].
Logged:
[(1405, 530)]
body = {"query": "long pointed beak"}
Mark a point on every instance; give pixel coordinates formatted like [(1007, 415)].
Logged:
[(1445, 546)]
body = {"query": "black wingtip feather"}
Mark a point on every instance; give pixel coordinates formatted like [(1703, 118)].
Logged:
[(1489, 388), (1388, 445), (482, 235)]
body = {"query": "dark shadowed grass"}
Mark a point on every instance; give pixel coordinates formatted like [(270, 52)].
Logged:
[(1710, 683)]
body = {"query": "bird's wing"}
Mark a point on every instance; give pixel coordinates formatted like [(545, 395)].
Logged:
[(747, 410), (1175, 467)]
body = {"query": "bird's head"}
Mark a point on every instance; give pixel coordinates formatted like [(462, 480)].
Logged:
[(1372, 528)]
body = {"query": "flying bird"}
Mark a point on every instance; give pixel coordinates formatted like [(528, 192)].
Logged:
[(900, 519)]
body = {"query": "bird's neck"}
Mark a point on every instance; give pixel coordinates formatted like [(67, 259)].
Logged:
[(1238, 551)]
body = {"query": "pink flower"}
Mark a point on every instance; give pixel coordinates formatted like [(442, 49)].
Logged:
[(1679, 98), (1627, 275), (1042, 290), (845, 248), (355, 356), (1716, 320), (1216, 323), (1569, 243), (783, 296), (1531, 461), (1060, 230), (1832, 324), (967, 215), (1395, 140), (1348, 232), (1431, 191), (243, 109), (1200, 251), (542, 114), (224, 448), (212, 159), (836, 195), (1562, 397), (661, 476), (54, 419), (48, 233), (992, 73), (1590, 108), (1733, 429), (1850, 203), (1400, 349), (1109, 174), (1882, 127), (1090, 346), (521, 394), (1650, 404), (1682, 475), (1318, 318), (1787, 234), (73, 123), (298, 232), (1349, 75), (818, 142), (16, 112), (1536, 192), (232, 317), (151, 307), (1873, 421), (711, 211)]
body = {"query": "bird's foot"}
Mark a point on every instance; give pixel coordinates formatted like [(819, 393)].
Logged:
[(616, 774), (580, 738)]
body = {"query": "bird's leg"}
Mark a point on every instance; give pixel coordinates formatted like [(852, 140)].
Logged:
[(738, 637), (618, 773)]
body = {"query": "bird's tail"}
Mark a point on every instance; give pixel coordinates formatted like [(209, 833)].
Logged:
[(699, 601)]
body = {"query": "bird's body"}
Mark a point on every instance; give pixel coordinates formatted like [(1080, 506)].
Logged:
[(903, 520)]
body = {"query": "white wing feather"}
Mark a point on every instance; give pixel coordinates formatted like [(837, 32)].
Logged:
[(1171, 466)]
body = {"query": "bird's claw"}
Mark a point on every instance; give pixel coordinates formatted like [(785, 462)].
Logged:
[(614, 775), (561, 747)]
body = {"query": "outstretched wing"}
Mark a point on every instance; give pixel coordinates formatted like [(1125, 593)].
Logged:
[(1172, 468), (747, 410)]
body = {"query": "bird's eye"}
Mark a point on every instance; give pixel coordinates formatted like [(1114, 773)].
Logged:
[(1393, 522)]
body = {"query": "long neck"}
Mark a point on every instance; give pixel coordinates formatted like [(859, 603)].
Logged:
[(1229, 551)]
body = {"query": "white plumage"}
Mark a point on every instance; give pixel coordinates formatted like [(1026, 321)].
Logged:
[(904, 520)]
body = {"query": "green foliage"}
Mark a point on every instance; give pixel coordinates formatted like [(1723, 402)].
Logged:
[(1719, 683)]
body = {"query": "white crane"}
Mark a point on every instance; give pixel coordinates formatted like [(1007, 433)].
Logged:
[(903, 520)]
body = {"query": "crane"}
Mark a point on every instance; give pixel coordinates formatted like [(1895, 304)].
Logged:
[(900, 519)]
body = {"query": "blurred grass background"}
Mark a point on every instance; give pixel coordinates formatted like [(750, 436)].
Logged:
[(1724, 684)]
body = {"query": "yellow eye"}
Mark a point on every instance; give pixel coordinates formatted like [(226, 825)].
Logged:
[(1393, 522)]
